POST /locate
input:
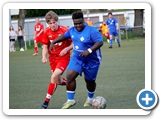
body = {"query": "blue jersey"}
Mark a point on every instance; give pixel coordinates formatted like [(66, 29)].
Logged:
[(82, 41), (112, 24)]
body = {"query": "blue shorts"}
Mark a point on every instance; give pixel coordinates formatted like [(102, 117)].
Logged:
[(89, 73), (113, 33)]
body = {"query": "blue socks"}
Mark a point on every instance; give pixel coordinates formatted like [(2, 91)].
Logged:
[(90, 95), (70, 95)]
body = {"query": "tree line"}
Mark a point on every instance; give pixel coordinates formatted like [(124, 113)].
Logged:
[(27, 13)]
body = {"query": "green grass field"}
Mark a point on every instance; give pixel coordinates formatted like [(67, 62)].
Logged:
[(121, 77)]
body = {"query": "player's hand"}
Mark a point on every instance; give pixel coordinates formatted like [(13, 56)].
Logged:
[(84, 53), (51, 46), (63, 52), (44, 60)]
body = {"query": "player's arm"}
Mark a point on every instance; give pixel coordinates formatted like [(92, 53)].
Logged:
[(44, 53), (65, 50), (117, 25), (45, 43), (34, 37), (98, 42), (41, 31)]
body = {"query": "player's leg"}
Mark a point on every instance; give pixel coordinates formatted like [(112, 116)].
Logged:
[(90, 77), (111, 39), (118, 41), (62, 65), (71, 87), (57, 67), (56, 75), (74, 69), (117, 38), (107, 36), (35, 47)]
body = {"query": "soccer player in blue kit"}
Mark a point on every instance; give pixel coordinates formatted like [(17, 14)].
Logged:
[(113, 29), (86, 57)]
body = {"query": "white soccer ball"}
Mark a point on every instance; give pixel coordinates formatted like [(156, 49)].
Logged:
[(99, 102)]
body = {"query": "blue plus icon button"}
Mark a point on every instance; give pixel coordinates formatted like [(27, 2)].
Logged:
[(147, 99)]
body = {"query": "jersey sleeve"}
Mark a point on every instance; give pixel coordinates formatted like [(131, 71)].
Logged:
[(115, 21), (45, 40), (67, 34), (96, 36), (42, 26)]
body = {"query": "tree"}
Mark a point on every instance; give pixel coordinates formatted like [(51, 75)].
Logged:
[(138, 21), (21, 17)]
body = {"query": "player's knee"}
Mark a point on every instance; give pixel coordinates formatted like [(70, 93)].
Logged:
[(69, 77), (54, 79)]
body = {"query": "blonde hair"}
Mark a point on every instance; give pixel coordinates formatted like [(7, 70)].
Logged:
[(51, 15)]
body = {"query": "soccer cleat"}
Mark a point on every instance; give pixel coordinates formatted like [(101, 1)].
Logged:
[(35, 54), (88, 102), (44, 105), (68, 104), (110, 46), (119, 45)]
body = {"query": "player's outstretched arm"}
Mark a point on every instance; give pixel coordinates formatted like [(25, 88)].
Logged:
[(58, 39)]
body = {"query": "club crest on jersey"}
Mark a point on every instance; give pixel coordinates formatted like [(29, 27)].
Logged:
[(82, 38), (76, 47)]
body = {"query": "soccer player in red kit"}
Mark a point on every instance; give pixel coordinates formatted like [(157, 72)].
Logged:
[(59, 57), (38, 35)]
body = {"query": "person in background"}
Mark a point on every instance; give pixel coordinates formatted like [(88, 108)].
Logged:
[(89, 22), (12, 37), (20, 36), (113, 29), (105, 31), (38, 35), (58, 57)]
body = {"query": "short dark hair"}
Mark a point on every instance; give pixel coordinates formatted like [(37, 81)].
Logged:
[(109, 13), (77, 15)]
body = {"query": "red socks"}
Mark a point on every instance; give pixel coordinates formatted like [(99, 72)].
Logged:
[(51, 89), (36, 49)]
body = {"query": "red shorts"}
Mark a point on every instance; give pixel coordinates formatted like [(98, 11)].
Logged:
[(59, 63), (38, 39), (107, 35)]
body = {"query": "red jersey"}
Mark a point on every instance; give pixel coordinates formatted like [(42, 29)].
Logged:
[(49, 35), (38, 27)]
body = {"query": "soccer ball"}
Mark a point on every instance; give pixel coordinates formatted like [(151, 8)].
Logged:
[(99, 102)]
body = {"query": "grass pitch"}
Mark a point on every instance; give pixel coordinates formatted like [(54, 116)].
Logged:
[(120, 78)]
